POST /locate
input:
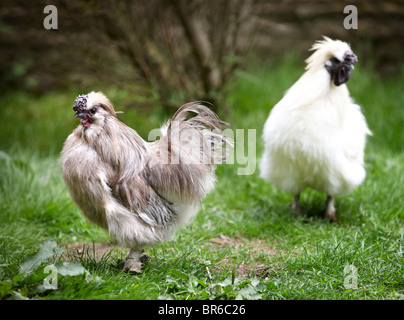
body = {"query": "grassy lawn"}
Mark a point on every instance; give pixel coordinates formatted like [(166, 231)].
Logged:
[(242, 244)]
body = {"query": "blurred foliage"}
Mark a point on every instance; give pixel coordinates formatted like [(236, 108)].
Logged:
[(102, 43)]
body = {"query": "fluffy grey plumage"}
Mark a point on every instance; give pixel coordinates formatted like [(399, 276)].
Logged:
[(141, 192)]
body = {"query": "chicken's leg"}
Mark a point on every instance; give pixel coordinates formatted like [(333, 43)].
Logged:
[(133, 263), (330, 212)]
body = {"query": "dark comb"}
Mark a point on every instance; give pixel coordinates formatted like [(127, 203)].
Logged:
[(80, 103)]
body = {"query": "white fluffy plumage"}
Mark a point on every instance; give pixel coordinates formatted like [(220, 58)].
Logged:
[(315, 136)]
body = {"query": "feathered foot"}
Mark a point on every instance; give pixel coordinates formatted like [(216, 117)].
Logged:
[(330, 212), (296, 205), (134, 261)]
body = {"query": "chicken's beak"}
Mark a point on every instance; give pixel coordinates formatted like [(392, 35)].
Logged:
[(80, 115), (350, 59)]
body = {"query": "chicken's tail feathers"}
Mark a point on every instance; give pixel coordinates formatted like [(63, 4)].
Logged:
[(205, 116), (200, 139)]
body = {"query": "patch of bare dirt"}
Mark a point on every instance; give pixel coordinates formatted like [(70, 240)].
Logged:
[(257, 249), (238, 242)]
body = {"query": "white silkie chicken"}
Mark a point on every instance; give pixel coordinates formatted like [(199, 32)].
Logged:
[(315, 136)]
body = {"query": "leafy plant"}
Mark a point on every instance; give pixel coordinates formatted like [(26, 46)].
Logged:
[(188, 286), (22, 281)]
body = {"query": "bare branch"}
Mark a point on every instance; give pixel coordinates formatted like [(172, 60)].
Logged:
[(201, 47)]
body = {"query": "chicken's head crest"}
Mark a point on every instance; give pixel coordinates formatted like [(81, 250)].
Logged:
[(80, 103)]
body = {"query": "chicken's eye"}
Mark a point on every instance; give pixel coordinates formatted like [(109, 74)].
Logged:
[(335, 60), (93, 110)]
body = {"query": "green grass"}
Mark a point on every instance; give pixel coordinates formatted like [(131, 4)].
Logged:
[(243, 235)]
